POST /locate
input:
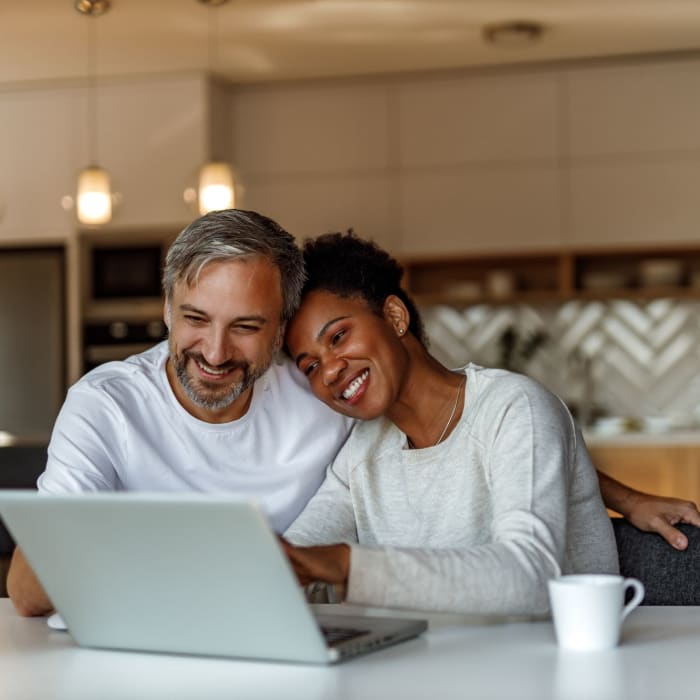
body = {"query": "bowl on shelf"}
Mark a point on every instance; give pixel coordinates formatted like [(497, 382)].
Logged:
[(500, 284), (660, 272), (466, 290), (656, 424), (604, 279)]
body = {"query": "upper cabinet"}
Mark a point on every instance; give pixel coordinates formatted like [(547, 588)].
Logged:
[(633, 149), (574, 155), (318, 157), (151, 137), (531, 158), (477, 163)]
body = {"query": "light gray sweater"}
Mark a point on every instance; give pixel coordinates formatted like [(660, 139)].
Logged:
[(478, 523)]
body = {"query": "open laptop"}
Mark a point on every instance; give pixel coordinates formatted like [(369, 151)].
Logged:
[(191, 574)]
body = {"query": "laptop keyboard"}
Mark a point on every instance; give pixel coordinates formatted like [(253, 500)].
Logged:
[(336, 635)]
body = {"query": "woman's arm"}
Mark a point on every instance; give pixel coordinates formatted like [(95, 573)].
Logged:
[(648, 512), (329, 516)]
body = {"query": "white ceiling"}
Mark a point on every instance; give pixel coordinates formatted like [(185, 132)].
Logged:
[(261, 40)]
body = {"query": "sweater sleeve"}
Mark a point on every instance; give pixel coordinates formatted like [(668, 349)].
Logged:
[(328, 517), (527, 443)]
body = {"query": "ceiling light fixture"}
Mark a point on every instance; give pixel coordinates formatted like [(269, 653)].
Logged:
[(216, 190), (94, 199), (516, 34)]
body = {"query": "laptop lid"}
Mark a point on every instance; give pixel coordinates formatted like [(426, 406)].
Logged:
[(182, 573)]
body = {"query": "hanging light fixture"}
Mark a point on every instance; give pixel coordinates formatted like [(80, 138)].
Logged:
[(94, 197), (216, 189)]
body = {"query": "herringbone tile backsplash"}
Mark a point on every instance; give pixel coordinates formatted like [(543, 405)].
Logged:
[(621, 357)]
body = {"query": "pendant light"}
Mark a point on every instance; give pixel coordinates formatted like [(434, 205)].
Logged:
[(216, 189), (94, 197)]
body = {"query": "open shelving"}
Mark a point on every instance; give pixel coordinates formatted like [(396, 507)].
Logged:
[(555, 276)]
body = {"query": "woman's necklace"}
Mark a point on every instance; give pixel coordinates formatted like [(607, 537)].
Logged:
[(449, 420)]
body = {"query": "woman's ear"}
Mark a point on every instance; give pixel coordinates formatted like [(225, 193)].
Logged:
[(396, 313)]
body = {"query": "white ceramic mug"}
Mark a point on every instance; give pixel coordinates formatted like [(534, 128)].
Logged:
[(588, 609)]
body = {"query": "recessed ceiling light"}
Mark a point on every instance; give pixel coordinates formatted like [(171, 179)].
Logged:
[(91, 7), (514, 33)]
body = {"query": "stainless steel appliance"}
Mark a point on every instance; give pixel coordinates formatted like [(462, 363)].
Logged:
[(121, 296), (32, 342)]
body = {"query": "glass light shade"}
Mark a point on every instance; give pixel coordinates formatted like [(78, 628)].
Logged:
[(94, 196), (215, 187)]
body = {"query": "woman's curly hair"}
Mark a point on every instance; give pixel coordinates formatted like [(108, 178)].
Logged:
[(349, 266)]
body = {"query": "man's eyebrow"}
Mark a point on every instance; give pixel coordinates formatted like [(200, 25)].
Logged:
[(192, 309), (319, 335), (255, 318)]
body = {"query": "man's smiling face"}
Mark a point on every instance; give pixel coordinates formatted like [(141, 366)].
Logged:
[(223, 332)]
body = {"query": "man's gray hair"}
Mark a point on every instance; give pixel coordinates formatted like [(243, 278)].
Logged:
[(235, 234)]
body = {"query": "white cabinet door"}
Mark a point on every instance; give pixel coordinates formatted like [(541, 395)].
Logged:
[(479, 163), (634, 150), (152, 136)]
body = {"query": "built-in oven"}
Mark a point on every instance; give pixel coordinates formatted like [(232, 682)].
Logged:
[(122, 306), (116, 340)]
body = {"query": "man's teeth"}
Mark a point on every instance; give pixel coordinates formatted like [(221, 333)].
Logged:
[(211, 370), (355, 385)]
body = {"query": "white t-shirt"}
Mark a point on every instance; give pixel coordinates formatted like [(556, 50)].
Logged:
[(121, 428)]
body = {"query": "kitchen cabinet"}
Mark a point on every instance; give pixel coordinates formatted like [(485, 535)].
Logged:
[(152, 137), (664, 468), (555, 276), (632, 147)]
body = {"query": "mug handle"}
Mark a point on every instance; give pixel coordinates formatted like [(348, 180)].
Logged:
[(637, 598)]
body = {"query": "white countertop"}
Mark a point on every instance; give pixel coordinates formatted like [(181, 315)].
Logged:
[(678, 438), (458, 657)]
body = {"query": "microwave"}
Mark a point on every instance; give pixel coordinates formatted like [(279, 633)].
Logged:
[(125, 272), (121, 275)]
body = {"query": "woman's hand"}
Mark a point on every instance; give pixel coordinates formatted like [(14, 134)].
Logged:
[(329, 563)]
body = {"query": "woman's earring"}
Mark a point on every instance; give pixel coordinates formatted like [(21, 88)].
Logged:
[(402, 331)]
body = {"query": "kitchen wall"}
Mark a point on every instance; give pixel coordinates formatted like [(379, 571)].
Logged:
[(153, 134), (594, 154)]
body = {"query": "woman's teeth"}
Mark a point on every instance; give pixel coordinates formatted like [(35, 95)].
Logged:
[(355, 385)]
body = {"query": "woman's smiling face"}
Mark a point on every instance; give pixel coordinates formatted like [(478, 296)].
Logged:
[(355, 360)]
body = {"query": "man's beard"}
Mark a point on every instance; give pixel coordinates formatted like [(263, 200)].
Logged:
[(208, 395)]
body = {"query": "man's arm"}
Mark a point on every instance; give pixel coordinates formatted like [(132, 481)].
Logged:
[(24, 589), (650, 513)]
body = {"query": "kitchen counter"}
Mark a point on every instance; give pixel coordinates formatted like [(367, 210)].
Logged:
[(638, 438), (455, 658), (667, 464)]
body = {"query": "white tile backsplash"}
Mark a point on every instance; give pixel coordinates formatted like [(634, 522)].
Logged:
[(644, 357)]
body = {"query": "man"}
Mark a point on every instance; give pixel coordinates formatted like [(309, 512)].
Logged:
[(211, 409)]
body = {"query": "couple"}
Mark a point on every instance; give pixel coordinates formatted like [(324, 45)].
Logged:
[(457, 490)]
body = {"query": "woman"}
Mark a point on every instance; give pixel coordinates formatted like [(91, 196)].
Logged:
[(459, 490)]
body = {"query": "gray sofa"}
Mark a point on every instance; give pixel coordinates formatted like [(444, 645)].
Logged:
[(670, 577)]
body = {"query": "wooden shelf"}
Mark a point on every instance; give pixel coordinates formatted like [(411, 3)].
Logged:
[(555, 276)]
